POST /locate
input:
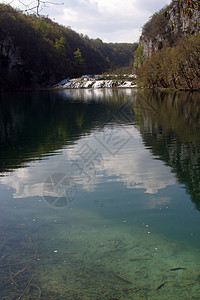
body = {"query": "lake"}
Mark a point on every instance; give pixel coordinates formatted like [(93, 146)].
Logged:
[(100, 194)]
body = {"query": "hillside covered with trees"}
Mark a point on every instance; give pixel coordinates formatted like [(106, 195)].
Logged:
[(35, 51), (168, 55)]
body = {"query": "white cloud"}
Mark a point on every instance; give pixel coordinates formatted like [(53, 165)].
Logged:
[(110, 20), (133, 165)]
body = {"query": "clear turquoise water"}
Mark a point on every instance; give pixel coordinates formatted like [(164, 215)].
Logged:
[(99, 195)]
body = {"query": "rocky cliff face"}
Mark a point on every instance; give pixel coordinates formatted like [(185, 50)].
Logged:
[(182, 22), (14, 71), (168, 25), (11, 64), (9, 54)]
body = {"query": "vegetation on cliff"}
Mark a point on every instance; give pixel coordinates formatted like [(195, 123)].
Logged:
[(37, 51), (173, 67), (170, 43)]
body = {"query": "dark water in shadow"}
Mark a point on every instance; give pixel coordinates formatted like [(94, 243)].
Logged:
[(99, 195)]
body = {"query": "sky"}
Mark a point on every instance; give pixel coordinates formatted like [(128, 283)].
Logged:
[(110, 20)]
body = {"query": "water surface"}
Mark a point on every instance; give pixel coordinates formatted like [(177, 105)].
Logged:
[(99, 195)]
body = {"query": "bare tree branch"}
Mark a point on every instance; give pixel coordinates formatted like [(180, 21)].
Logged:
[(35, 6)]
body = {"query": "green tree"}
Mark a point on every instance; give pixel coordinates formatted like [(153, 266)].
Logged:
[(138, 57), (78, 59), (79, 62), (61, 44)]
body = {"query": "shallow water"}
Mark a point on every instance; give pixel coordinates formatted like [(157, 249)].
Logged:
[(99, 195)]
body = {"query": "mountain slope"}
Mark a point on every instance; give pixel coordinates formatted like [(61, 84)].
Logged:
[(35, 51), (168, 55)]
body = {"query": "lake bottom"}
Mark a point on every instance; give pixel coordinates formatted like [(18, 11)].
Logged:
[(80, 255)]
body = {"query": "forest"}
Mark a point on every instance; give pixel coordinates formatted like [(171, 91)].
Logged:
[(168, 55), (35, 51), (173, 67)]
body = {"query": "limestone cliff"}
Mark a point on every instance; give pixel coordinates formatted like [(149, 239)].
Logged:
[(15, 72), (10, 55), (168, 25)]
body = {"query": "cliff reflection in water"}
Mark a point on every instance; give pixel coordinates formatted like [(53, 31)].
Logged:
[(170, 127), (34, 125)]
